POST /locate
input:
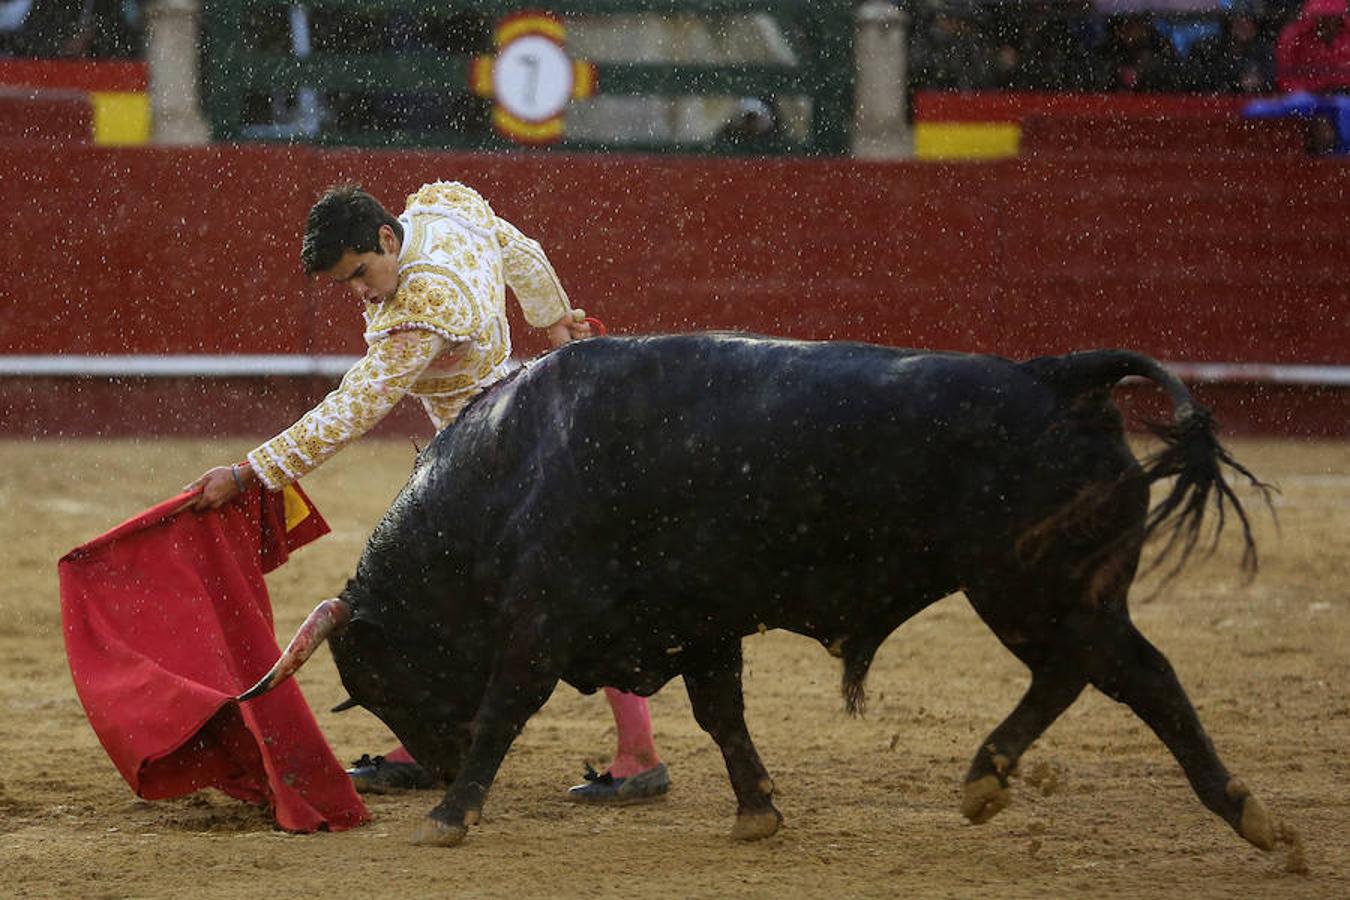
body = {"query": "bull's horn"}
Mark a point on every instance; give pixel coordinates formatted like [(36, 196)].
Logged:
[(327, 617)]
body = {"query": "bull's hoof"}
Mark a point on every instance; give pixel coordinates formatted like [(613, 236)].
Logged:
[(1255, 824), (435, 833), (756, 825), (985, 798)]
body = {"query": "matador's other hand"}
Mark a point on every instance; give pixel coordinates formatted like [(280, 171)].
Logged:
[(571, 327)]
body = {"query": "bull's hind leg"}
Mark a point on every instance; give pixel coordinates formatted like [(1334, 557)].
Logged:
[(1057, 679), (1123, 665), (1055, 684), (713, 679)]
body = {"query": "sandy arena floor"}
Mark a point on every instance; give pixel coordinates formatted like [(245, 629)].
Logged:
[(871, 804)]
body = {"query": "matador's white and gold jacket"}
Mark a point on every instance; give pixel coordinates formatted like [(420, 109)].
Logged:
[(442, 337)]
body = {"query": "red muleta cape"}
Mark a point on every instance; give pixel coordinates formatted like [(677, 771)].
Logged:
[(166, 619)]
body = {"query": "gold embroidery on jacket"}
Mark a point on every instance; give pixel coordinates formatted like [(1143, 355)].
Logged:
[(443, 336), (418, 236)]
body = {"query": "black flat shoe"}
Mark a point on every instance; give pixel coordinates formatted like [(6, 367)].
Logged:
[(376, 775), (639, 788)]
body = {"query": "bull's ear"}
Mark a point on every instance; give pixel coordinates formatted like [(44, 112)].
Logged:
[(345, 705)]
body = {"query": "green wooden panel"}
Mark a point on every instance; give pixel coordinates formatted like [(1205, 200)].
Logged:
[(354, 73), (238, 72), (686, 78)]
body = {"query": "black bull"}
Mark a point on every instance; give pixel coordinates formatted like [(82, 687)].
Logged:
[(626, 510)]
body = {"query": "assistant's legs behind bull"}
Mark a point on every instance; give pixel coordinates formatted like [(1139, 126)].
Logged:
[(635, 774)]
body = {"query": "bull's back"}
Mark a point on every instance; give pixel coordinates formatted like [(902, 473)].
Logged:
[(745, 450)]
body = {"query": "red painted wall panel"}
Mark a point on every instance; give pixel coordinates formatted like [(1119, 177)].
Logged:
[(40, 115), (158, 250), (150, 250), (1223, 134), (76, 74), (657, 244)]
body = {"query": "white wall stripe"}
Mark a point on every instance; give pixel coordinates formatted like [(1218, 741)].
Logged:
[(1338, 376), (169, 365), (262, 365)]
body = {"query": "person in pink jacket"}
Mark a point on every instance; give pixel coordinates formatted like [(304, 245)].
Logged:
[(1313, 51)]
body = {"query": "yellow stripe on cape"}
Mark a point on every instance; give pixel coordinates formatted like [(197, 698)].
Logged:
[(297, 510)]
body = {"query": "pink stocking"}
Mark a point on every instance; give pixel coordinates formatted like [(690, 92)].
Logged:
[(633, 720), (399, 754)]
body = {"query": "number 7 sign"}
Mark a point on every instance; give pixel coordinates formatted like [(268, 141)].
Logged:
[(531, 79)]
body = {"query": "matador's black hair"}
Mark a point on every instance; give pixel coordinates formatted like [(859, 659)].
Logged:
[(345, 218)]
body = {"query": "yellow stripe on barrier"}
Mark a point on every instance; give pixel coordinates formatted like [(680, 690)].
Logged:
[(966, 140), (121, 118)]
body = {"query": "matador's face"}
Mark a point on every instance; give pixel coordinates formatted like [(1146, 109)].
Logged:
[(372, 276)]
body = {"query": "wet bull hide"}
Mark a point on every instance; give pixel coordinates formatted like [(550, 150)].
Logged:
[(625, 510)]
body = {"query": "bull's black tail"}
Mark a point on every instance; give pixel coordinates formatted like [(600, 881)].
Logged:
[(1191, 453)]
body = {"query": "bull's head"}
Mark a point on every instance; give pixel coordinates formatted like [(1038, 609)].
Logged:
[(424, 688), (408, 680)]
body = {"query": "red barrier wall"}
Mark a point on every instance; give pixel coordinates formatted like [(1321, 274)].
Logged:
[(76, 74), (39, 114), (156, 250)]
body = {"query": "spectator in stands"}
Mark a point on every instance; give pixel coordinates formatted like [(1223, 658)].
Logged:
[(1092, 45), (282, 113), (946, 52), (445, 34), (1128, 7), (41, 28), (1041, 45), (1010, 38), (107, 29), (404, 32), (1312, 63), (754, 125), (1240, 59), (70, 28), (13, 13), (1313, 51), (1138, 58), (12, 16)]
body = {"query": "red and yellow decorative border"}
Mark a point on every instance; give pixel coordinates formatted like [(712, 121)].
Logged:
[(513, 28)]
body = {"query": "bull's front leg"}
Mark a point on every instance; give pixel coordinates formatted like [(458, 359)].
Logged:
[(713, 679), (514, 692)]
